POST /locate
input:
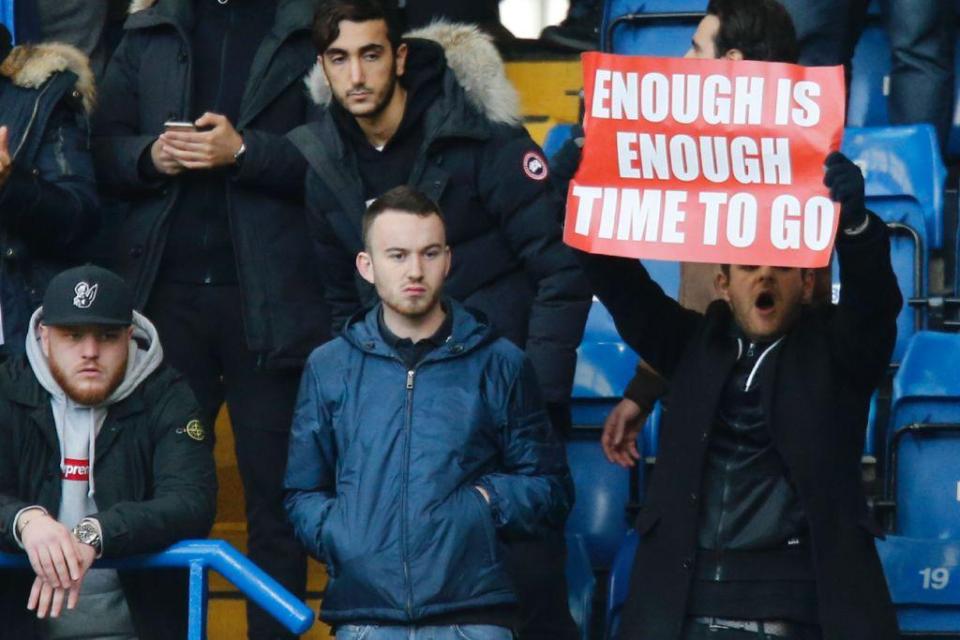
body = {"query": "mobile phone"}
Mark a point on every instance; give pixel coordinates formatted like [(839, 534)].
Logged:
[(176, 125)]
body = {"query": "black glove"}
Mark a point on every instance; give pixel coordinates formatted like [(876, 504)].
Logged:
[(845, 182)]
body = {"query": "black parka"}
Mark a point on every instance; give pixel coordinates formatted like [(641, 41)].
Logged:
[(48, 204), (148, 82), (816, 391), (490, 181), (155, 485)]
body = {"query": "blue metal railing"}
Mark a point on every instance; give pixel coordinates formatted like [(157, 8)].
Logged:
[(199, 556)]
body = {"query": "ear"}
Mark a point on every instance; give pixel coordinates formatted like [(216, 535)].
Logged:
[(733, 54), (809, 281), (401, 54), (45, 340), (130, 332), (449, 259), (365, 266), (722, 285)]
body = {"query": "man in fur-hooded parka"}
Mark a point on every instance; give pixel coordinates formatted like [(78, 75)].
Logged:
[(48, 201), (460, 142), (437, 112)]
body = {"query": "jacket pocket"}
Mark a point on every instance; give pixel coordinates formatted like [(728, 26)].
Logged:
[(646, 521), (326, 540), (486, 523)]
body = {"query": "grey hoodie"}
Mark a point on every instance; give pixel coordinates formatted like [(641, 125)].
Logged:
[(102, 611)]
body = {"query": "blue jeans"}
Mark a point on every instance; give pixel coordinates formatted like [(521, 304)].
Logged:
[(455, 632)]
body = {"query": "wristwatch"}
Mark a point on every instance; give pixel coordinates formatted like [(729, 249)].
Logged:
[(88, 533), (238, 156)]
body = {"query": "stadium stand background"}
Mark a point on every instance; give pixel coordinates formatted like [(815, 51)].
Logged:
[(910, 461)]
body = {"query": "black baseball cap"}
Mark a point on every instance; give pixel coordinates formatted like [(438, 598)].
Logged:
[(87, 295)]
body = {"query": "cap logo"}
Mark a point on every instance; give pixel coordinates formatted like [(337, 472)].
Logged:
[(85, 295)]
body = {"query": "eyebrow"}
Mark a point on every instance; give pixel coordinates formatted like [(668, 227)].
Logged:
[(367, 48), (435, 245)]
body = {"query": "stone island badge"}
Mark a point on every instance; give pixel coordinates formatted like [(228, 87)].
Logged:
[(195, 430), (535, 166), (85, 295)]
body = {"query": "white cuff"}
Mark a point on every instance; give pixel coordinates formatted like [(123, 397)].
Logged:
[(16, 521)]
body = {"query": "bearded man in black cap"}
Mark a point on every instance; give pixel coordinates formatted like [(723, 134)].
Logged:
[(102, 454)]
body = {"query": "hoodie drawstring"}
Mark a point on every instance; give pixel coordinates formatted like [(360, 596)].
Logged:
[(91, 451)]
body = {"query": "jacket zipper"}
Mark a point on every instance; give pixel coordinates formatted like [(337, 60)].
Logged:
[(411, 373), (725, 496)]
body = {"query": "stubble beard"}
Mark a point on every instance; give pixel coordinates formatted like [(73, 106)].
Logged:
[(84, 394)]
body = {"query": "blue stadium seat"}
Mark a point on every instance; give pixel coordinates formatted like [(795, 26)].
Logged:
[(603, 490), (924, 438), (604, 366), (652, 30), (666, 274), (620, 582), (581, 585), (904, 175), (7, 16), (904, 185), (870, 77), (924, 582), (556, 136)]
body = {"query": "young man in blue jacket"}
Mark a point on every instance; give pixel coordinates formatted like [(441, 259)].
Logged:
[(420, 443)]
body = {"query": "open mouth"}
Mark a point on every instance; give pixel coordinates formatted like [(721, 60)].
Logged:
[(765, 301)]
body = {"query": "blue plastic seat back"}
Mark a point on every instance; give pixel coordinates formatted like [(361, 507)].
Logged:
[(7, 17), (556, 136), (581, 585), (619, 585), (926, 390), (904, 178), (605, 364), (665, 273), (602, 490), (904, 175), (870, 78), (924, 582), (660, 37)]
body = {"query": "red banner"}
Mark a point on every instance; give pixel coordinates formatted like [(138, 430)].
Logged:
[(706, 161)]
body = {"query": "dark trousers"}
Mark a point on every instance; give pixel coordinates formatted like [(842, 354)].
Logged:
[(201, 330), (537, 568)]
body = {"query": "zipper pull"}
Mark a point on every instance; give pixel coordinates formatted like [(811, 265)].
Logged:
[(410, 374), (751, 349)]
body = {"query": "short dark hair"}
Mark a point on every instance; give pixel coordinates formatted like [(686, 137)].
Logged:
[(761, 29), (403, 199), (326, 22)]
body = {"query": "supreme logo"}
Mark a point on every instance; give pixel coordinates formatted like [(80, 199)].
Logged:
[(74, 469)]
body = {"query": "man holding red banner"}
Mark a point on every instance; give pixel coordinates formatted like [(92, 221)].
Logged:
[(755, 524), (756, 520)]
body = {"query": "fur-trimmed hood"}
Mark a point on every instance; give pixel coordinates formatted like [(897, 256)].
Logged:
[(30, 66), (475, 63)]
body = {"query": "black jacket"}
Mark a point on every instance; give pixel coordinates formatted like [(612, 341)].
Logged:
[(502, 223), (155, 485), (148, 82), (48, 206), (816, 390)]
